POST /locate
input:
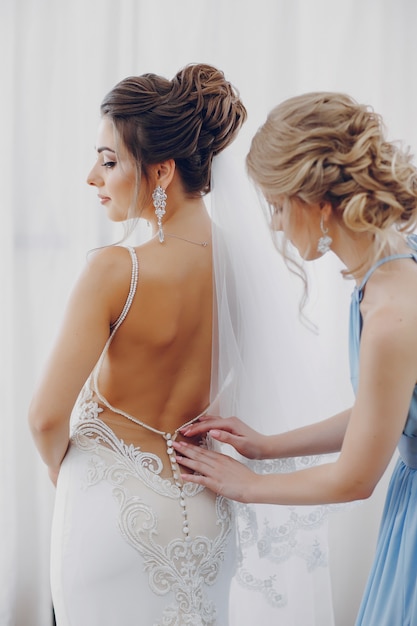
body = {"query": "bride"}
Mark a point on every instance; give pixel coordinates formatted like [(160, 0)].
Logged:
[(131, 542)]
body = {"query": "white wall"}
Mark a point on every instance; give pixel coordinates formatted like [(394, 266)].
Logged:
[(58, 60)]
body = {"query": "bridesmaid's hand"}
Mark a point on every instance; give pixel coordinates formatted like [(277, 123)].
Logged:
[(218, 472), (230, 430)]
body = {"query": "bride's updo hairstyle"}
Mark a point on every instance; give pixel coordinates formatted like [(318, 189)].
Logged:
[(327, 147), (190, 119)]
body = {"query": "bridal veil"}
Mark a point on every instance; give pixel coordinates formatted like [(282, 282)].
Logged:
[(263, 357)]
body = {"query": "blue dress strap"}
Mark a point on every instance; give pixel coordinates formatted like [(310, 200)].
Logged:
[(355, 323), (412, 243)]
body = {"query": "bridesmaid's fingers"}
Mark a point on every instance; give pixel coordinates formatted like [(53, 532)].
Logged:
[(218, 472), (205, 423), (195, 454)]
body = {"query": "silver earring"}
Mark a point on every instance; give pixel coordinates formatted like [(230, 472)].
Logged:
[(159, 201), (325, 241)]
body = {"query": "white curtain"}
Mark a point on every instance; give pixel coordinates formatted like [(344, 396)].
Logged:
[(58, 59)]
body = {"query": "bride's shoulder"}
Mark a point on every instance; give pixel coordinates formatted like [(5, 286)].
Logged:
[(108, 261), (106, 277)]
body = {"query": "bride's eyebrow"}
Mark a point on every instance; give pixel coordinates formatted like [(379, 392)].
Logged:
[(103, 148)]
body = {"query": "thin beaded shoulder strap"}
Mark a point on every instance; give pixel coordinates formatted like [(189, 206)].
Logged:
[(116, 325), (131, 295)]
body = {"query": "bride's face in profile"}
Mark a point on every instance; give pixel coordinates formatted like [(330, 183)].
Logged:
[(113, 173), (300, 223)]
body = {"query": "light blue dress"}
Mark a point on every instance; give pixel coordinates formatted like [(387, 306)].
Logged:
[(390, 597)]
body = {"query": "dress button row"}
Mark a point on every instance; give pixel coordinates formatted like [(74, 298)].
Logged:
[(175, 474)]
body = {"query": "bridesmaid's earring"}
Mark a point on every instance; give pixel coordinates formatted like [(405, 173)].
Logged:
[(325, 240)]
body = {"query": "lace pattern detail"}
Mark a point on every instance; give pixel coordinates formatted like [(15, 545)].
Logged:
[(181, 567), (279, 543), (271, 538), (284, 466), (90, 432), (264, 586), (269, 545)]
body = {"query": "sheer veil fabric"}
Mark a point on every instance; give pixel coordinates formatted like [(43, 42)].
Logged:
[(262, 372)]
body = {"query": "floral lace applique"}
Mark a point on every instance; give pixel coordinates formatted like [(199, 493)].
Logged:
[(182, 567), (90, 432), (293, 535)]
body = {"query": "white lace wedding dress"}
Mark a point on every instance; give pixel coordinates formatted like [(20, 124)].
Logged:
[(131, 544)]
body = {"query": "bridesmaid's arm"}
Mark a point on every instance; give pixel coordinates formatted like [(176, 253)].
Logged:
[(320, 438), (388, 374), (323, 437)]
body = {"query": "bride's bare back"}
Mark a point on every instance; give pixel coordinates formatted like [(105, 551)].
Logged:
[(157, 367)]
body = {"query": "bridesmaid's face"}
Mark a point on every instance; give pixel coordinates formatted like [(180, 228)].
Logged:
[(300, 223)]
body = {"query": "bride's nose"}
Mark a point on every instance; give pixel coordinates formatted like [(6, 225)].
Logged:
[(94, 178)]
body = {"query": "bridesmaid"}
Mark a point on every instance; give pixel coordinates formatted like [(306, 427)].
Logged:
[(334, 183)]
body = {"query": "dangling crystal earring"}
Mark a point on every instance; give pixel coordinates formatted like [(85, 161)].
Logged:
[(159, 201), (325, 241)]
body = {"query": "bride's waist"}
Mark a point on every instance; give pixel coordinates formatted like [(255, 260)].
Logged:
[(149, 434)]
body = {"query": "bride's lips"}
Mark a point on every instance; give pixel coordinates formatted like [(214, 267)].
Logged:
[(103, 199)]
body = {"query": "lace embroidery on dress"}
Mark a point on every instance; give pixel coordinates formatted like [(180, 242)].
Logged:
[(184, 565), (276, 544), (181, 565), (90, 432)]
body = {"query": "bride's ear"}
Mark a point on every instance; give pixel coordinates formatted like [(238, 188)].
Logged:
[(164, 172)]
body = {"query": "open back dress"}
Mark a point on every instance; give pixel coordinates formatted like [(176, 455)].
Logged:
[(132, 545)]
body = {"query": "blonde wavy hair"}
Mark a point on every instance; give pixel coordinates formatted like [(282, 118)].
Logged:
[(324, 146)]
